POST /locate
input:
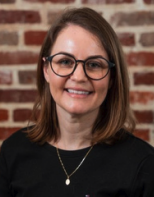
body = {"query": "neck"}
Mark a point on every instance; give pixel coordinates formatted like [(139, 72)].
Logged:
[(75, 130)]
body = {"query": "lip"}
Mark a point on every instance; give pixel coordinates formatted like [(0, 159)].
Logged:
[(78, 89), (78, 92)]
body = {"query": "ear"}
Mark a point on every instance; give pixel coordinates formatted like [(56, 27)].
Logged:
[(46, 70)]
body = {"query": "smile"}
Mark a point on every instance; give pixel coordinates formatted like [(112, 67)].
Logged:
[(78, 92)]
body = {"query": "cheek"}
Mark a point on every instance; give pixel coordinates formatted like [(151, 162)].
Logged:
[(56, 84), (102, 90), (102, 93), (103, 85)]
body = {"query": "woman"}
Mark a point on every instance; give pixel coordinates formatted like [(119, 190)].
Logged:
[(81, 143)]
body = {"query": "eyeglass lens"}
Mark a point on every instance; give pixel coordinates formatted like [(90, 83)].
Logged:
[(95, 68)]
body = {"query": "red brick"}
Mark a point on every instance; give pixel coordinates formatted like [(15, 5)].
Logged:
[(18, 57), (126, 39), (141, 97), (34, 37), (3, 115), (144, 116), (52, 1), (140, 58), (27, 77), (17, 96), (19, 16), (5, 132), (7, 1), (144, 78), (8, 38), (142, 133), (149, 1), (133, 18), (5, 77), (20, 115), (147, 39), (107, 1)]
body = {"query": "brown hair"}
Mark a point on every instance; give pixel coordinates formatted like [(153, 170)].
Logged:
[(115, 114)]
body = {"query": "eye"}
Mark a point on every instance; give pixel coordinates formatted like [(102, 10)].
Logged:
[(92, 65), (65, 62), (95, 64)]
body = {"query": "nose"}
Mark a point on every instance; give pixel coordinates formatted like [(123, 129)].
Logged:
[(79, 73)]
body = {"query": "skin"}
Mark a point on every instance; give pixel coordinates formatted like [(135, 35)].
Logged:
[(76, 112)]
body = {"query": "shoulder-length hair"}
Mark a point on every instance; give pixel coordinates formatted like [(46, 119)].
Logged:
[(115, 115)]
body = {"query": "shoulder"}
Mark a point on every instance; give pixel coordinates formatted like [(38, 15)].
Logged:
[(138, 145), (135, 149), (16, 140), (130, 149), (19, 147), (143, 161)]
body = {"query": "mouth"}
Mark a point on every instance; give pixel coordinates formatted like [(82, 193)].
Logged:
[(81, 92)]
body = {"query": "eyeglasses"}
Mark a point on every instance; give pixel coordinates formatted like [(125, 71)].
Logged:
[(95, 68)]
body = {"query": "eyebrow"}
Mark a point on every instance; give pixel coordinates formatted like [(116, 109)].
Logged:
[(91, 56)]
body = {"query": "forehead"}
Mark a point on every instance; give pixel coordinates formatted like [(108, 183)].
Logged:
[(74, 37)]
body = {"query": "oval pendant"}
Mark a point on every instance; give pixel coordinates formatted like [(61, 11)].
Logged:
[(67, 181)]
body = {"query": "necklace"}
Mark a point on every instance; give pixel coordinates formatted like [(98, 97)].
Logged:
[(67, 182)]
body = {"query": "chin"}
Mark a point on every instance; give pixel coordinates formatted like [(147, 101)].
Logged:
[(81, 111), (77, 111)]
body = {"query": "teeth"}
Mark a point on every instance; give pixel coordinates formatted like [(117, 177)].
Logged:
[(77, 92)]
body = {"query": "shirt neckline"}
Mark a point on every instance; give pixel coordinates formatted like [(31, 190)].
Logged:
[(69, 153)]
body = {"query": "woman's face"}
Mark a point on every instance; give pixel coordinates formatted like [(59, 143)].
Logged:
[(77, 94)]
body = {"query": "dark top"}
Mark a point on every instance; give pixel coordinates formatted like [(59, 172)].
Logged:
[(125, 169)]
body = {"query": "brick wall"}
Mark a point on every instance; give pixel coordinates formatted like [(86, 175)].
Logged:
[(23, 24)]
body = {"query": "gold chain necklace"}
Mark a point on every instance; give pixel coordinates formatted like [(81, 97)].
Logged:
[(67, 182)]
